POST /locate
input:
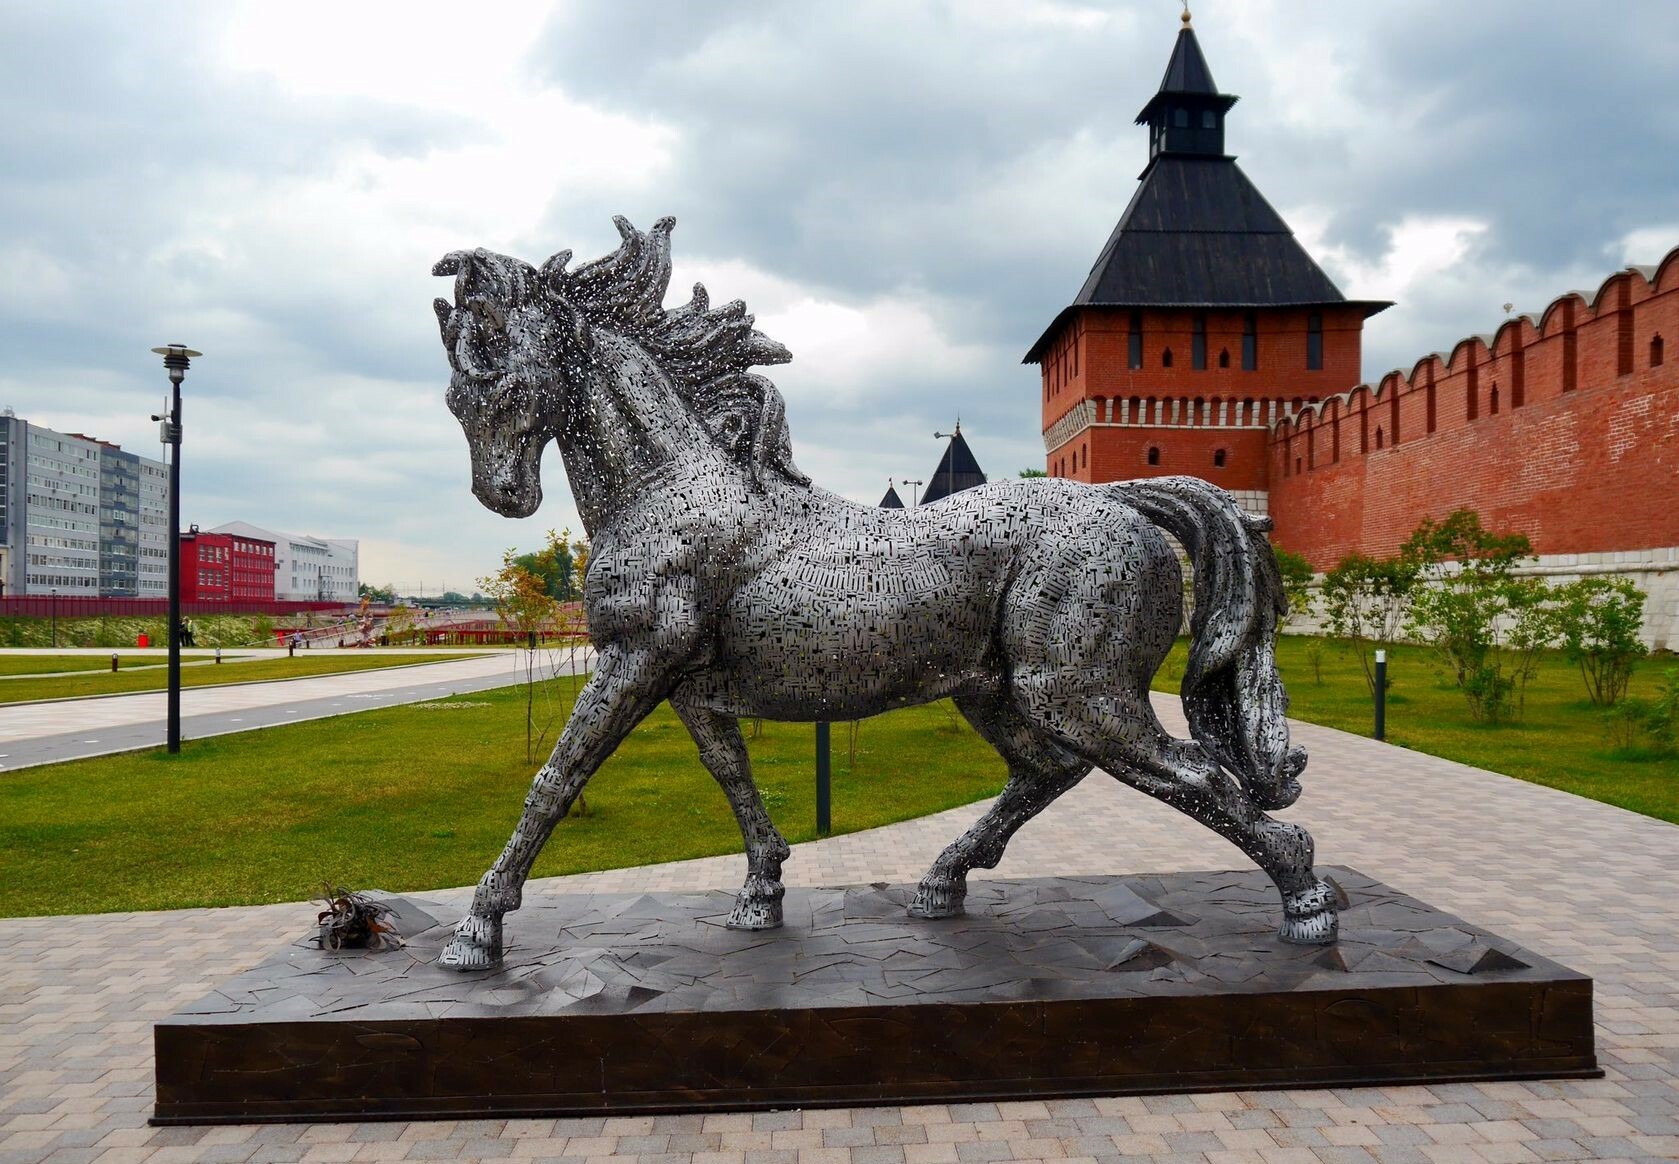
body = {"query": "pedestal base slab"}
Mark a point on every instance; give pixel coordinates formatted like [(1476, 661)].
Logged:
[(624, 1003)]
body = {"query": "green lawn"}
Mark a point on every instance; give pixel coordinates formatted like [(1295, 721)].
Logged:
[(1561, 740), (424, 796), (151, 678)]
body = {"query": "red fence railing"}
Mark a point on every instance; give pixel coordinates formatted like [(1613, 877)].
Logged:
[(80, 606)]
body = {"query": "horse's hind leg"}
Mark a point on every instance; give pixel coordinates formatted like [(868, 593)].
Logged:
[(1039, 771), (1181, 774), (723, 751)]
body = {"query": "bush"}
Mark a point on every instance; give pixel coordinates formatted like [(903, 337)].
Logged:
[(1486, 624), (1597, 623), (1296, 573), (1365, 601), (1654, 723)]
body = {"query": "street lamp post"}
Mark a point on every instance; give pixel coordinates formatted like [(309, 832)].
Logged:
[(177, 358), (55, 618), (915, 495)]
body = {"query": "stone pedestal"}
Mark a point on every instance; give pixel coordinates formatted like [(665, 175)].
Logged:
[(615, 1003)]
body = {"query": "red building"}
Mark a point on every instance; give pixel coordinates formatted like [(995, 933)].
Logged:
[(1203, 321), (1207, 342), (219, 567)]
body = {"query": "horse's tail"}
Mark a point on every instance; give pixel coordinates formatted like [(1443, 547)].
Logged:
[(1232, 695)]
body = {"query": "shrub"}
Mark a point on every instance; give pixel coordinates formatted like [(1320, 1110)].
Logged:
[(1487, 625), (1597, 622), (1296, 574), (1364, 602)]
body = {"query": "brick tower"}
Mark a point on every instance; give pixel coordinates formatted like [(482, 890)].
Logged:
[(1202, 321)]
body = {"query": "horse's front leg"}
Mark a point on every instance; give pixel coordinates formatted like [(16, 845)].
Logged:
[(626, 686), (723, 751)]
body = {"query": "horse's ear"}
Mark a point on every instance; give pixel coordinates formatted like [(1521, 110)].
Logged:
[(553, 271), (701, 300)]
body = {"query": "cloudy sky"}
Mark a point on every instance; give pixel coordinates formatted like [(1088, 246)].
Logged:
[(904, 193)]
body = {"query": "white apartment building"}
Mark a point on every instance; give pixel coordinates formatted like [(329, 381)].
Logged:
[(79, 516), (307, 568)]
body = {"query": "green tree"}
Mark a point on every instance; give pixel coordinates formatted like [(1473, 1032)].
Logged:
[(553, 563), (1033, 473), (399, 625), (523, 604), (1597, 621), (1296, 574), (1364, 603), (1486, 624), (381, 594)]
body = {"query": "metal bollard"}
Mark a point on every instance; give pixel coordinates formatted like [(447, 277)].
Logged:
[(824, 825), (113, 660), (1381, 695)]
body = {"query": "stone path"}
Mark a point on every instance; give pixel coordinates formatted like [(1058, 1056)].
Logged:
[(50, 732), (1589, 885)]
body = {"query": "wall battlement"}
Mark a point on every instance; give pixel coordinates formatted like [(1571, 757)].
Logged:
[(1563, 425)]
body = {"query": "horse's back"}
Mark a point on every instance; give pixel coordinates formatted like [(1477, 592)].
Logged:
[(866, 609)]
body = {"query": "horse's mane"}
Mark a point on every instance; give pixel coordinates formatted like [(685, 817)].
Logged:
[(705, 352)]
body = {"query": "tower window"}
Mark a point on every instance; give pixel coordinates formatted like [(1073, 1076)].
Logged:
[(1224, 357), (1154, 454), (1218, 458), (1314, 342), (1378, 436), (1209, 119), (1134, 341), (1250, 342), (1198, 344), (1180, 118), (1656, 352), (1166, 358)]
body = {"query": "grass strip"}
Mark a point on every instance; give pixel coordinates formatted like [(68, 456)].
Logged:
[(425, 795), (1562, 740)]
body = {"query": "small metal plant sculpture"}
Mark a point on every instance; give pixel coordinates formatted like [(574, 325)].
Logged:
[(352, 921), (722, 580)]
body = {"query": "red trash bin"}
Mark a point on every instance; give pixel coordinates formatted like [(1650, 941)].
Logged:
[(145, 640)]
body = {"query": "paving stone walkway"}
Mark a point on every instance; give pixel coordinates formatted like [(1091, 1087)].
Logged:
[(1590, 885)]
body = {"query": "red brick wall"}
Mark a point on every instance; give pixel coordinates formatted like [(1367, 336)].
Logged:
[(1562, 429)]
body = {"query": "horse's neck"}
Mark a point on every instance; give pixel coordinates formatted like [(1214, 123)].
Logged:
[(624, 427)]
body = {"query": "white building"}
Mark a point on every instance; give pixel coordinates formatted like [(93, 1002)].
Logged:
[(79, 516), (306, 568)]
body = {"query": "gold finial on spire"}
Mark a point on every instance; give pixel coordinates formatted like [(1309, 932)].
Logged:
[(1185, 16)]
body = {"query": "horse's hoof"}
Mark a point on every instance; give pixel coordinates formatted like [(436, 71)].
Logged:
[(939, 899), (1313, 929), (757, 907), (475, 946)]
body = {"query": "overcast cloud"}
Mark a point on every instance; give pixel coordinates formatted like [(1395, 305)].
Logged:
[(905, 194)]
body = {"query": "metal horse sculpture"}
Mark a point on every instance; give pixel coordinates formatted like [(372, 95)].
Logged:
[(722, 580)]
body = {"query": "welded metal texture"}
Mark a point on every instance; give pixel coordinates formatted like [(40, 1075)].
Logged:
[(722, 580)]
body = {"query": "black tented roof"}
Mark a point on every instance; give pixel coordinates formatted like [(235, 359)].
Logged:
[(957, 471)]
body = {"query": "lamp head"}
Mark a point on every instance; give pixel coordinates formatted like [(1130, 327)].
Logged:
[(177, 358)]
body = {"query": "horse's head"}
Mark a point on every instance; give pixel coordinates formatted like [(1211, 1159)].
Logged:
[(506, 338), (526, 349)]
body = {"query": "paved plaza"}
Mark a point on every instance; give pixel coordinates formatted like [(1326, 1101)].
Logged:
[(1592, 886)]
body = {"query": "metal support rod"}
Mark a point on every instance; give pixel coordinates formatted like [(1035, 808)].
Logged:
[(1381, 695), (174, 564), (824, 800)]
